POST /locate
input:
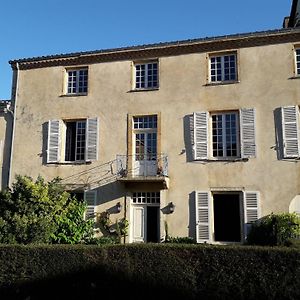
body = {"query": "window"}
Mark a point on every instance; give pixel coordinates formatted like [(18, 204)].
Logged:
[(297, 54), (146, 197), (75, 140), (223, 68), (77, 81), (145, 145), (146, 75), (225, 216), (224, 135), (290, 132), (72, 141)]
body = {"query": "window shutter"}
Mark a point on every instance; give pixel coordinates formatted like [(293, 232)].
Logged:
[(90, 199), (247, 125), (200, 146), (92, 139), (53, 149), (251, 209), (203, 229), (290, 131)]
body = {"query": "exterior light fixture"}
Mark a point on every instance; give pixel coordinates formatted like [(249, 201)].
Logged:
[(119, 206), (171, 207)]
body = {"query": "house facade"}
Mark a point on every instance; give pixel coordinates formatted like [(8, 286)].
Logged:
[(193, 138)]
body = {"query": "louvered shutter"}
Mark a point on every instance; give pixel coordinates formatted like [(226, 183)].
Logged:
[(290, 131), (92, 139), (203, 229), (247, 124), (251, 209), (200, 140), (53, 149), (90, 199)]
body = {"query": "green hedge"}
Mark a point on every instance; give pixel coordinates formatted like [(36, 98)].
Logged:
[(147, 271)]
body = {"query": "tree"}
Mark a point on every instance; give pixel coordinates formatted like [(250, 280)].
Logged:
[(41, 212)]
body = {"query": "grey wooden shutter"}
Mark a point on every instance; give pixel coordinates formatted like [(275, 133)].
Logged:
[(203, 228), (247, 125), (251, 209), (90, 199), (92, 139), (53, 149), (290, 131), (200, 147)]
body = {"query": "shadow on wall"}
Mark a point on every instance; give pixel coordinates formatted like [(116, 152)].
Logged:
[(188, 131), (192, 215)]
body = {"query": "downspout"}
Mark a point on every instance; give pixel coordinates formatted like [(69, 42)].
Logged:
[(14, 125)]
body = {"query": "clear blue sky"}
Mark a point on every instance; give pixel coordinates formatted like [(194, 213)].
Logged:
[(31, 28)]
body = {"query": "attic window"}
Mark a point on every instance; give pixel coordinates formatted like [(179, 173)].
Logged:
[(77, 81), (223, 68)]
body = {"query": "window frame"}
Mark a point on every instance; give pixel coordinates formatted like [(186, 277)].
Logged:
[(296, 62), (238, 134), (77, 70), (222, 55), (224, 142), (146, 82), (64, 136), (56, 141)]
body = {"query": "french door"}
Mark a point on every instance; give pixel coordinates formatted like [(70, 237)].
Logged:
[(145, 157)]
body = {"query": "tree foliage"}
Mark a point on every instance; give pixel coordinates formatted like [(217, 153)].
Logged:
[(41, 212)]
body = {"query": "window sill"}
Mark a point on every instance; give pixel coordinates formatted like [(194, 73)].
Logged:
[(70, 163), (74, 95), (143, 90), (222, 83), (295, 77), (224, 159)]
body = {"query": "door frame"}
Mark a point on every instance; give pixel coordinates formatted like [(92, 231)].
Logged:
[(132, 206), (241, 211)]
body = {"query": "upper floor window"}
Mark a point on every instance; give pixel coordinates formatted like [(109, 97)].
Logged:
[(297, 55), (223, 68), (146, 75), (72, 140), (144, 122), (77, 81), (75, 140), (224, 135)]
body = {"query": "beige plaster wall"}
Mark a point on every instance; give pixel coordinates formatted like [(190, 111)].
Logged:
[(264, 83)]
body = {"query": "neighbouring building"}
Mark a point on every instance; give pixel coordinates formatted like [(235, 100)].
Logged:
[(198, 136), (6, 123)]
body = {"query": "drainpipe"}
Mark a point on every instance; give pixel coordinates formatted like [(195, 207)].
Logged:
[(13, 112)]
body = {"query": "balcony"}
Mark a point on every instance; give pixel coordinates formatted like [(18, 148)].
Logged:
[(143, 168)]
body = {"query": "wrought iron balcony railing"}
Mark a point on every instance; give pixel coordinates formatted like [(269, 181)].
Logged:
[(142, 165)]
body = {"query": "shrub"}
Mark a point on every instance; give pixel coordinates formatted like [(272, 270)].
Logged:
[(41, 212), (275, 230), (171, 271), (180, 240), (102, 240)]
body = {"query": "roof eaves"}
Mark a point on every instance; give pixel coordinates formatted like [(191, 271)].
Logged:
[(155, 46)]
